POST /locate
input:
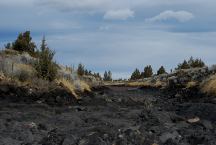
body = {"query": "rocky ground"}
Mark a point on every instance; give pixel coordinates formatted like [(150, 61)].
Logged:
[(111, 116)]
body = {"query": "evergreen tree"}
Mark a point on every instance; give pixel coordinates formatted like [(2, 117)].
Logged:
[(148, 72), (90, 72), (8, 46), (24, 43), (45, 66), (98, 76), (136, 75), (107, 76), (86, 72), (161, 70), (191, 63), (81, 70), (183, 65), (197, 63)]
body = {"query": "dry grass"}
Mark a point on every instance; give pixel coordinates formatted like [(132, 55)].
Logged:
[(23, 72), (81, 86), (209, 85), (68, 85), (2, 76), (191, 84), (26, 67), (147, 83), (139, 84), (9, 52)]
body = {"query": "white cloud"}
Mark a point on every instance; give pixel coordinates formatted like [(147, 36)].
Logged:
[(121, 14), (181, 16)]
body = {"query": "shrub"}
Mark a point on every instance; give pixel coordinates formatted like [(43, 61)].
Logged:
[(23, 76), (45, 66), (8, 46), (209, 85), (191, 84), (23, 72), (161, 70), (81, 70), (67, 84), (82, 86), (24, 43)]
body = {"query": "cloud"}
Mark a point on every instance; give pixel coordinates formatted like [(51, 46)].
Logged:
[(122, 14), (181, 16)]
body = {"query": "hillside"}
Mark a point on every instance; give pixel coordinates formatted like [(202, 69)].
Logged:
[(18, 79)]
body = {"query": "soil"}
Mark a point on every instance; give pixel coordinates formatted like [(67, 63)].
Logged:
[(111, 116)]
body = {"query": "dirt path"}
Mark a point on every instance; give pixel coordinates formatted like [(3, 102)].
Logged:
[(112, 116)]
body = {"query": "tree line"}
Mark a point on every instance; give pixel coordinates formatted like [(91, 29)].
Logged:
[(82, 71), (148, 71)]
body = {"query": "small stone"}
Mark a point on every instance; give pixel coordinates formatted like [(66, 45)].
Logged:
[(193, 120), (105, 136), (39, 102), (32, 125)]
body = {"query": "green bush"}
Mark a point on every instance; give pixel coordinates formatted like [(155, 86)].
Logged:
[(45, 66), (23, 43)]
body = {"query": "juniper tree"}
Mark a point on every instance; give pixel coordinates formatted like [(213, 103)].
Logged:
[(24, 43), (148, 72), (81, 70), (135, 75), (107, 76), (45, 67), (183, 65), (161, 70)]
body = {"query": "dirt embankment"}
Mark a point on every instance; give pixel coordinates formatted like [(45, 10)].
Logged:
[(110, 116)]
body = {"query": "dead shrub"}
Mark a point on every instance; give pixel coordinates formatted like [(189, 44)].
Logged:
[(209, 85)]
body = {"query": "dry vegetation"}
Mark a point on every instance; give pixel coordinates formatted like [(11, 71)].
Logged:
[(209, 85), (191, 84), (9, 52), (68, 85), (146, 83), (22, 74), (84, 86), (73, 87)]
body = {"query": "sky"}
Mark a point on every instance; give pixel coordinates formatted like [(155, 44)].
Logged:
[(116, 35)]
